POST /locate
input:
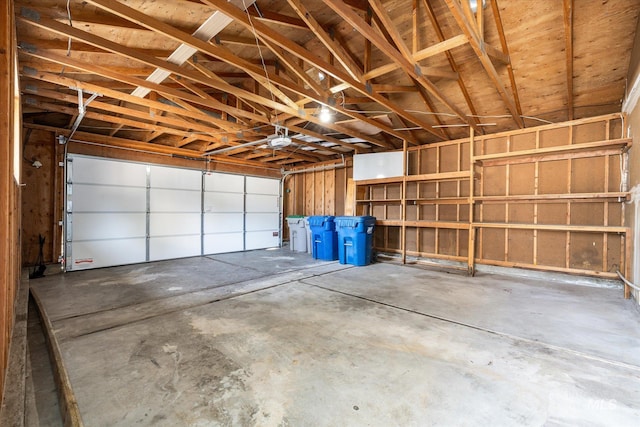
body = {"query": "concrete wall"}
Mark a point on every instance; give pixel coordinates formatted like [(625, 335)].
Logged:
[(631, 107)]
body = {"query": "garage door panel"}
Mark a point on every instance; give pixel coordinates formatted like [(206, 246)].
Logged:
[(262, 203), (182, 179), (224, 182), (223, 202), (99, 198), (162, 200), (262, 221), (87, 170), (174, 224), (257, 185), (223, 242), (99, 226), (223, 222), (261, 239), (173, 247), (106, 253)]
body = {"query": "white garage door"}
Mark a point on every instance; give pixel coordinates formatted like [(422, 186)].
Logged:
[(124, 213), (106, 213)]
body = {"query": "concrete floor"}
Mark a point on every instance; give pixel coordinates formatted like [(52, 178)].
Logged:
[(275, 338)]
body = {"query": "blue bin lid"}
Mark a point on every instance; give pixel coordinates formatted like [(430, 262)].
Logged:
[(318, 220), (353, 221)]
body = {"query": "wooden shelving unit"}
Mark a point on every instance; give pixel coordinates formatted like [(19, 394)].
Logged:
[(549, 198)]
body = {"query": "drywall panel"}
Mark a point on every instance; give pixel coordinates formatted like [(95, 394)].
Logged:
[(447, 241), (493, 247), (588, 175), (377, 165), (520, 246), (493, 181), (427, 238), (552, 177), (223, 243), (551, 248), (106, 253), (586, 251), (525, 141), (554, 137), (107, 198), (104, 226), (168, 247), (179, 179), (522, 179)]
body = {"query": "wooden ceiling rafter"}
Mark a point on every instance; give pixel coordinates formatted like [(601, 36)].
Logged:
[(505, 49), (381, 43), (452, 62), (266, 33), (122, 10), (460, 12)]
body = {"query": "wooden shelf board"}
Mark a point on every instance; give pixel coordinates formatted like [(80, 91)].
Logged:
[(587, 146), (553, 227), (553, 197), (440, 201), (444, 176), (379, 201)]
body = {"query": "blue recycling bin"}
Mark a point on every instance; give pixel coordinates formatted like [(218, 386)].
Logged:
[(355, 239), (324, 239)]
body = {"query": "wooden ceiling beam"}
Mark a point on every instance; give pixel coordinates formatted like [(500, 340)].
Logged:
[(218, 83), (334, 48), (276, 18), (129, 13), (122, 111), (381, 43), (79, 46), (107, 92), (469, 29), (452, 62), (505, 50), (267, 34), (568, 42)]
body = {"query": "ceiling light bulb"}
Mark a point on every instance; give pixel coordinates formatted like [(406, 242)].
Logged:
[(325, 115), (321, 75)]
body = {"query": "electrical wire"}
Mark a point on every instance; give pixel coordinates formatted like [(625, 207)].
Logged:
[(69, 40)]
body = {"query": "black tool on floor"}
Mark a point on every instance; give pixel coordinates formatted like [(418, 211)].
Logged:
[(39, 268)]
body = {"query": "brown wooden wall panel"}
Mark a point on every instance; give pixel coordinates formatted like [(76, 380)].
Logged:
[(428, 212), (340, 191), (589, 132), (521, 213), (448, 189), (493, 213), (586, 251), (464, 157), (447, 242), (522, 179), (394, 212), (588, 175), (552, 177), (494, 145), (411, 239), (393, 237), (615, 252), (520, 246), (38, 197), (427, 240), (587, 213), (309, 196), (428, 160), (553, 213), (448, 213), (329, 195), (494, 181), (615, 215), (551, 248), (493, 245), (554, 137), (412, 190), (615, 167), (428, 190), (463, 249), (449, 159), (318, 192), (412, 212), (525, 141)]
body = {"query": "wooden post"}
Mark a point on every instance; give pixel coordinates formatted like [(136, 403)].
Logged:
[(403, 201), (471, 251)]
